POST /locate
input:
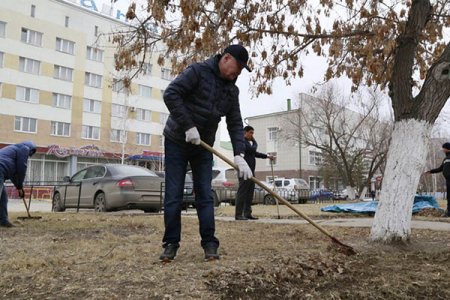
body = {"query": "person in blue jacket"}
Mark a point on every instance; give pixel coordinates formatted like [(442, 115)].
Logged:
[(13, 166), (445, 169), (244, 195), (197, 99)]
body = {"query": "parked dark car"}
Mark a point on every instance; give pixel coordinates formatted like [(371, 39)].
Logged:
[(321, 195), (108, 187)]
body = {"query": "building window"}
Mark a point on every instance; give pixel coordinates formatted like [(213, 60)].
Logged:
[(272, 133), (143, 139), (165, 74), (143, 114), (66, 21), (315, 158), (95, 30), (25, 124), (163, 118), (2, 29), (145, 91), (90, 132), (31, 37), (147, 69), (63, 73), (118, 110), (1, 59), (27, 94), (94, 54), (65, 46), (62, 101), (118, 86), (33, 10), (60, 128), (117, 135), (314, 182), (92, 106), (93, 80), (29, 65)]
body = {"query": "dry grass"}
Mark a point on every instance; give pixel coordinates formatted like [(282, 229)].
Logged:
[(115, 256)]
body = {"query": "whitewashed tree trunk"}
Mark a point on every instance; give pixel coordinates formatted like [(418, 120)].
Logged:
[(405, 162), (351, 192), (363, 193)]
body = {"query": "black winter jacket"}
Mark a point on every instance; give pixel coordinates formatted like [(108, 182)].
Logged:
[(200, 97), (444, 168), (251, 154)]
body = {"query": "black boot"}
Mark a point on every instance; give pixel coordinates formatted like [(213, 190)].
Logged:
[(170, 251), (211, 253), (6, 224)]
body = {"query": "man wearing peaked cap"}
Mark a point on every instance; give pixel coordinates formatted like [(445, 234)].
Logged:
[(197, 99)]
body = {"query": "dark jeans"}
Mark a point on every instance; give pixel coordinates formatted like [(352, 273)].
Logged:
[(244, 198), (200, 159), (3, 201), (448, 197)]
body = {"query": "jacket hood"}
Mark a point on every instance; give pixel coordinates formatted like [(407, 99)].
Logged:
[(31, 147)]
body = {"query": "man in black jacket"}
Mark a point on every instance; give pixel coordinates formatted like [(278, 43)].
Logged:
[(445, 169), (197, 99), (244, 195)]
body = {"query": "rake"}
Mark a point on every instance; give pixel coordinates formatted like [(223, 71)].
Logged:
[(346, 249)]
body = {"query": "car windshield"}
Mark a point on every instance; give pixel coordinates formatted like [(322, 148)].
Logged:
[(126, 170), (215, 173), (301, 182)]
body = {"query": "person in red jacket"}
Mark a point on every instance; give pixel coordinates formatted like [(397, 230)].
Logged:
[(445, 169), (13, 166)]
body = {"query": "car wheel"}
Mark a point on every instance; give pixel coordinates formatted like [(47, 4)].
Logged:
[(57, 204), (100, 202), (269, 199), (215, 198)]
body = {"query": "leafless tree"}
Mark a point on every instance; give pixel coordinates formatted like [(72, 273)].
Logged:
[(353, 144)]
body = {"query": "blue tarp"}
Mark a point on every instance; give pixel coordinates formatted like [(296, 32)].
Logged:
[(420, 202)]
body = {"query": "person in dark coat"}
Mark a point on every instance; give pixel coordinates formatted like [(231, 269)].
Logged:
[(445, 169), (244, 195), (197, 99), (13, 166)]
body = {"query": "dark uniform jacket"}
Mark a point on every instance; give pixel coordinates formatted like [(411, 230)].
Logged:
[(251, 154), (444, 168), (200, 97), (13, 162)]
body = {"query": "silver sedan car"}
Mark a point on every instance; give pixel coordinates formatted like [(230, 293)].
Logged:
[(110, 187)]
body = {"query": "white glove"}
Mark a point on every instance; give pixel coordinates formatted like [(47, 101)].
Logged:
[(244, 170), (192, 136)]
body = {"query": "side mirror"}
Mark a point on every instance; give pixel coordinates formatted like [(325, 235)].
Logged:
[(66, 178)]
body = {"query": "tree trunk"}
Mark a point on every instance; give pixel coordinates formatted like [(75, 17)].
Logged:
[(405, 162), (351, 192)]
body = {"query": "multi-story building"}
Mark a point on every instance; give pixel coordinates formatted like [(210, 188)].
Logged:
[(58, 88), (294, 158), (291, 160)]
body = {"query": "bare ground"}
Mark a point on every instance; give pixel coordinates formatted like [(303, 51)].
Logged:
[(115, 256)]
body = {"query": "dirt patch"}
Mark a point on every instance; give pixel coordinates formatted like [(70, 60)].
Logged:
[(107, 256)]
